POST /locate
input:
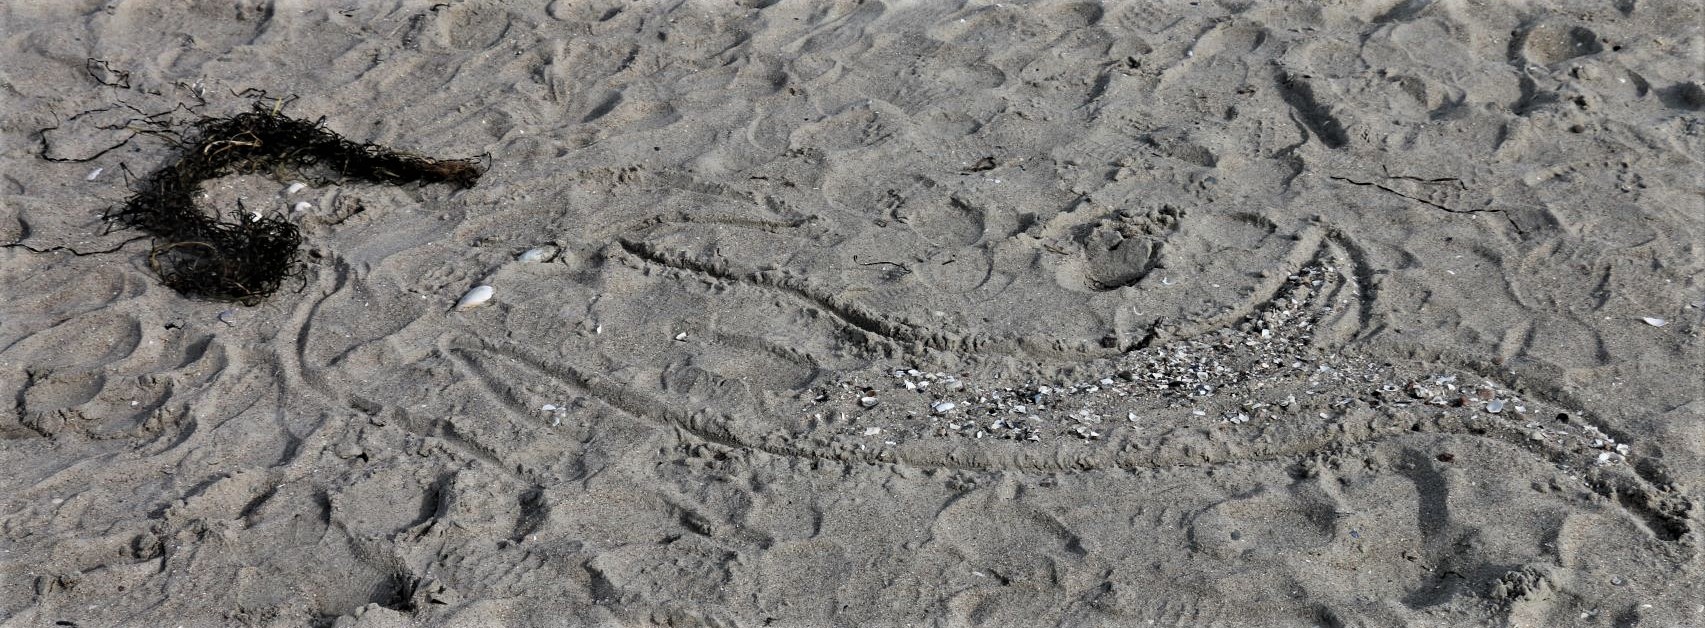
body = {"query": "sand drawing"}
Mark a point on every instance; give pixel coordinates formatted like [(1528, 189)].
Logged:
[(855, 313)]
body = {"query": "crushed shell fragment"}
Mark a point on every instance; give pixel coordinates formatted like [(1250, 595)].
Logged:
[(1653, 321), (538, 254), (475, 297)]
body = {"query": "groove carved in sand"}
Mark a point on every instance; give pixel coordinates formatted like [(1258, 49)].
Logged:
[(1322, 296)]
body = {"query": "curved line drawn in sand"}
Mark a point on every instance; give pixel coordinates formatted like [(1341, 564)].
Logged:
[(1243, 381)]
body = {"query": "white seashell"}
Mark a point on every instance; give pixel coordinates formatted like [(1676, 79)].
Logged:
[(943, 407), (475, 297), (1655, 322), (302, 206), (549, 407), (872, 431), (295, 187), (868, 402), (93, 174), (1495, 406), (681, 337), (538, 254)]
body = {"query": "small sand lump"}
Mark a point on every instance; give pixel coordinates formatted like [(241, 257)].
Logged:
[(475, 297)]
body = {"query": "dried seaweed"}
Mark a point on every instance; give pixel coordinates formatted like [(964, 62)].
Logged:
[(248, 257)]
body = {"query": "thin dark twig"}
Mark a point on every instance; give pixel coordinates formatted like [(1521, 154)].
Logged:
[(1422, 201), (52, 249)]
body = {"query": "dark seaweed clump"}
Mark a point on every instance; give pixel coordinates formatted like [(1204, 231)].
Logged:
[(245, 258)]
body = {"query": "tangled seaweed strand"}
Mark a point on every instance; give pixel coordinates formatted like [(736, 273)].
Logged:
[(247, 259)]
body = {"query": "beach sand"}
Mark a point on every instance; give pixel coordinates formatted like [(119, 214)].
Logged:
[(856, 313)]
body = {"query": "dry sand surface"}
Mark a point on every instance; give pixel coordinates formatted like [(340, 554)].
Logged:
[(1220, 313)]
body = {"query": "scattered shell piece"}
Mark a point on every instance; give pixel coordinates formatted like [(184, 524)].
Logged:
[(1495, 406), (1653, 321), (475, 297), (538, 254), (93, 174), (549, 407), (943, 407), (295, 187), (868, 402), (681, 337), (872, 431), (302, 206)]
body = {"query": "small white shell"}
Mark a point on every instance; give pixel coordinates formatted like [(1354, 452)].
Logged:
[(302, 206), (868, 402), (94, 174), (872, 431), (295, 187), (943, 407), (538, 254), (1655, 322), (475, 297)]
